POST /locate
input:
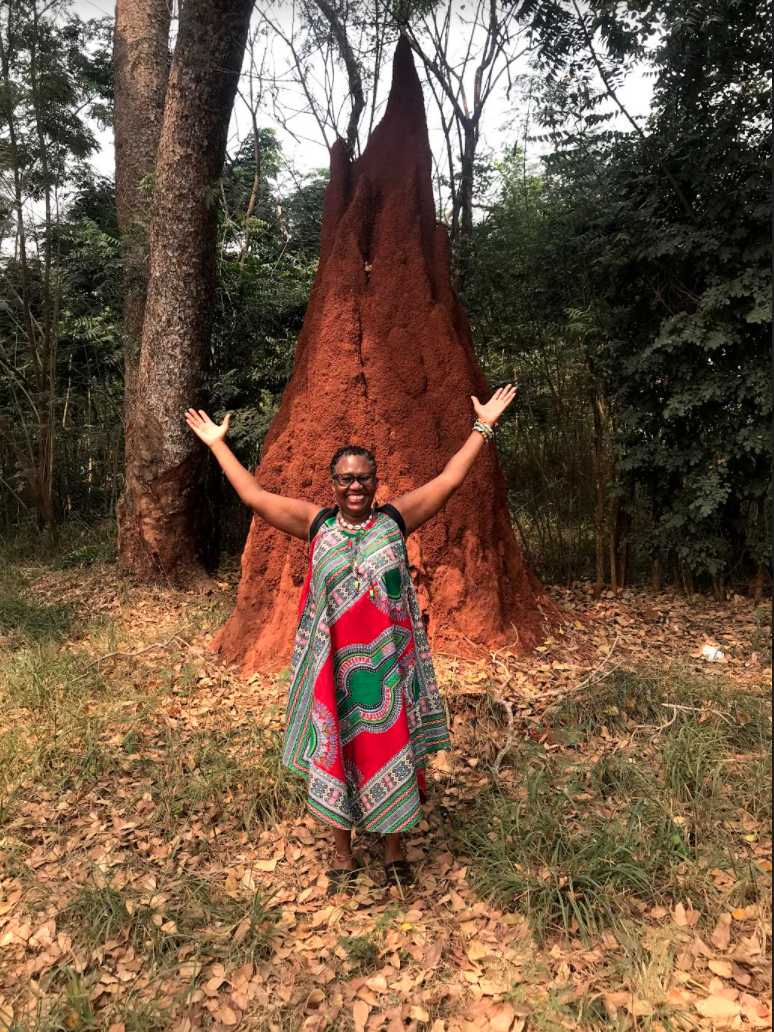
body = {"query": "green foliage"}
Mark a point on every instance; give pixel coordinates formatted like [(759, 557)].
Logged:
[(267, 264), (517, 296), (637, 267), (624, 282), (362, 952), (59, 375)]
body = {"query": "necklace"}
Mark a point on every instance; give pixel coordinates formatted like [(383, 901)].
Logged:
[(354, 526), (359, 530)]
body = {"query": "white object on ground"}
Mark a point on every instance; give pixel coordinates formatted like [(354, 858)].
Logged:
[(712, 654)]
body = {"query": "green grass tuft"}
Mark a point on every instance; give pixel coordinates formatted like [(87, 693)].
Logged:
[(43, 678), (582, 844), (26, 621), (197, 916), (362, 952), (564, 868), (239, 775)]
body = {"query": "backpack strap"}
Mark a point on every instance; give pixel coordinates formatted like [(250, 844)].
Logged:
[(322, 517), (392, 512)]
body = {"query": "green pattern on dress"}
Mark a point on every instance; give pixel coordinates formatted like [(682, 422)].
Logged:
[(401, 680)]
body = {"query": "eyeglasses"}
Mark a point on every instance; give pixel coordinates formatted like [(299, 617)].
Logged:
[(347, 479)]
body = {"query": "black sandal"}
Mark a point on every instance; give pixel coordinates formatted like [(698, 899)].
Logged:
[(399, 872), (342, 880)]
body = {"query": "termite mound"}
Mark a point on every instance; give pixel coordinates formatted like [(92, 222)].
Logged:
[(385, 359)]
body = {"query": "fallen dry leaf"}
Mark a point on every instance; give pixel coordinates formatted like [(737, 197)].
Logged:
[(721, 967), (721, 937), (718, 1009), (226, 1015), (360, 1012), (502, 1017), (265, 865), (642, 1009), (94, 837), (417, 1013)]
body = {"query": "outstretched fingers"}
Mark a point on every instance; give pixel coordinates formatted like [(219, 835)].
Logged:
[(507, 394)]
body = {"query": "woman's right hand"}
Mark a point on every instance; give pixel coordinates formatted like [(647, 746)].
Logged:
[(290, 515), (204, 428)]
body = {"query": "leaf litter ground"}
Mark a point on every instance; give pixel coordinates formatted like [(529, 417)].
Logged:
[(595, 853)]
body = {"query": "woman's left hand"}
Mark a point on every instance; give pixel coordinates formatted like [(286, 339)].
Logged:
[(496, 405)]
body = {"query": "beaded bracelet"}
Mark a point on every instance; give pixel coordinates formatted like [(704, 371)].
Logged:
[(486, 431)]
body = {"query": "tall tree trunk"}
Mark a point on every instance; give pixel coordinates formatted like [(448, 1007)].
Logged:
[(163, 511), (677, 575), (613, 528), (759, 583), (689, 586), (354, 78), (465, 202), (600, 427), (622, 536), (655, 573), (140, 72)]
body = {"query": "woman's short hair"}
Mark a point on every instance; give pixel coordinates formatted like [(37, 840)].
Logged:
[(353, 449)]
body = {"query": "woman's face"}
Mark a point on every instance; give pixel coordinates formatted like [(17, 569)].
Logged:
[(354, 497)]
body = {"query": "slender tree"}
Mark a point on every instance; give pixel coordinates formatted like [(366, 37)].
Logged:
[(161, 517), (52, 83), (492, 46)]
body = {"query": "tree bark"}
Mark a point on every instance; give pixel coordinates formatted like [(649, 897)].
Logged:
[(623, 525), (689, 586), (759, 583), (140, 73), (162, 517), (677, 575), (600, 426), (655, 573), (465, 202)]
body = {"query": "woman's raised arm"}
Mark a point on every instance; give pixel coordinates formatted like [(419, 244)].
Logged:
[(291, 515), (418, 506)]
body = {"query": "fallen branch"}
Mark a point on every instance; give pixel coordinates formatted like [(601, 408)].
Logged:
[(139, 652), (590, 679), (556, 693), (677, 710), (129, 655), (726, 717), (593, 678), (508, 707)]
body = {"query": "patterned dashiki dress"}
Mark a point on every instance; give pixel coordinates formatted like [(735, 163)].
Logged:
[(363, 709)]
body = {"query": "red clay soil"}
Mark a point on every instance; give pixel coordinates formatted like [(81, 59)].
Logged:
[(387, 361)]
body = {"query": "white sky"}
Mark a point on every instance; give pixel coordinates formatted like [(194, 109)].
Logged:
[(309, 152)]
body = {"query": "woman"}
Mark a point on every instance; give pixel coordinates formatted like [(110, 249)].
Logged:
[(364, 712)]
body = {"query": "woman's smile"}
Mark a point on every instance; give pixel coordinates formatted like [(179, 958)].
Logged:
[(354, 486)]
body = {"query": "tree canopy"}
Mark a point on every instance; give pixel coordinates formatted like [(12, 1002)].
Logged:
[(617, 265)]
